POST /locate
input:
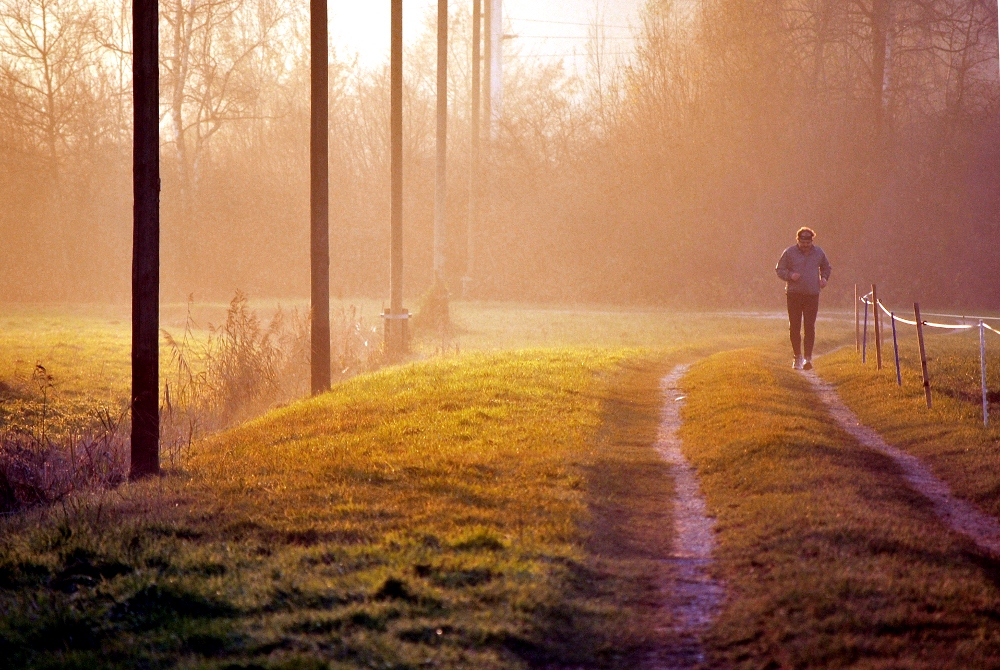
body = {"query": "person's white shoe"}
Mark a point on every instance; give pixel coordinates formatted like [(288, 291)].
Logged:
[(807, 364), (797, 364)]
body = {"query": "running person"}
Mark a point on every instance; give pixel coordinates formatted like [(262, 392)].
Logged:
[(805, 271)]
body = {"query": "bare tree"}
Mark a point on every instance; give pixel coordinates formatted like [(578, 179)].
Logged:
[(47, 51), (210, 75)]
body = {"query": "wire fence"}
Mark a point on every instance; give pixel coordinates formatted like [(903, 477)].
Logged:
[(871, 302)]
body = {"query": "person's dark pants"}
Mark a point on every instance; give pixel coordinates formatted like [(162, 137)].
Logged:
[(802, 307)]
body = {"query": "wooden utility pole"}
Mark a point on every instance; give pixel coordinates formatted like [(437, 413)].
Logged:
[(879, 41), (470, 240), (494, 27), (395, 319), (145, 240), (441, 171), (319, 198), (488, 70)]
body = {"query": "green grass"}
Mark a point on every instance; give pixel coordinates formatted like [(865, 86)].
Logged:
[(950, 437), (953, 363), (351, 527), (86, 352), (830, 559), (86, 349), (490, 326), (418, 515), (488, 510)]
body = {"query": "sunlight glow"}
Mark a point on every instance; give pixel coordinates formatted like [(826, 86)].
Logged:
[(551, 29)]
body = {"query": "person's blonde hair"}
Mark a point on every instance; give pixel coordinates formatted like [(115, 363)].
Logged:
[(802, 231)]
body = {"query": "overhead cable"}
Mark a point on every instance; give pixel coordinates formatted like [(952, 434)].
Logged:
[(570, 37), (570, 23)]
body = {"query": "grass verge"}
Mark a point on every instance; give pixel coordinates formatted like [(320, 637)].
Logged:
[(629, 530), (433, 515), (830, 559), (950, 437)]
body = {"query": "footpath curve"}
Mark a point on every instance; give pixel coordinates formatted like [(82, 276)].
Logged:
[(960, 515)]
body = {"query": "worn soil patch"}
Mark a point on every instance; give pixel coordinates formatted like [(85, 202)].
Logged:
[(648, 532), (692, 595)]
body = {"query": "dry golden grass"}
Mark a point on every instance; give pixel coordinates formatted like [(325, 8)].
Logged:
[(491, 510), (950, 437), (432, 513), (831, 560)]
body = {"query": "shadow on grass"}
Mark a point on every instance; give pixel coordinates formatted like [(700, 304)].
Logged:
[(613, 614)]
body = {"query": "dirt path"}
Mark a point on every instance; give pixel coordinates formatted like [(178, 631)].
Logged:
[(960, 515), (692, 597)]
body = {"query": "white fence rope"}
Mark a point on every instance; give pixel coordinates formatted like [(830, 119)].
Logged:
[(981, 326), (965, 316), (866, 299)]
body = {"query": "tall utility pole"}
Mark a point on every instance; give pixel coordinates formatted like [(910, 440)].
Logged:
[(470, 242), (319, 198), (395, 320), (441, 172), (495, 78), (880, 42), (488, 70), (145, 241)]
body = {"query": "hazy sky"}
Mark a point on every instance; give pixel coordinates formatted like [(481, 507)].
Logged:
[(545, 28)]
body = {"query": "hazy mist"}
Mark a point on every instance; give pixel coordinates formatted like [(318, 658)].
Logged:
[(672, 176)]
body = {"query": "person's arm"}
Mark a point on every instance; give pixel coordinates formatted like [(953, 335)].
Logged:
[(824, 271), (781, 269)]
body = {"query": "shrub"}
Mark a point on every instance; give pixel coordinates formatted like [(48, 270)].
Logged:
[(242, 368)]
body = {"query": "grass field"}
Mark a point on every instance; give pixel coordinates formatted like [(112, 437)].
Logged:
[(501, 506), (420, 515), (950, 437), (86, 353), (831, 560), (415, 515), (86, 349)]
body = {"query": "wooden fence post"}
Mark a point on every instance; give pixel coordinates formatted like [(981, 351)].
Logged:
[(923, 353), (878, 328), (982, 366), (895, 348), (864, 339), (857, 322)]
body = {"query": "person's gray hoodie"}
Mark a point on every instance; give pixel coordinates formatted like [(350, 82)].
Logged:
[(810, 265)]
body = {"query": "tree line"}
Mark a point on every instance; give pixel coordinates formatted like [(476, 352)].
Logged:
[(671, 177)]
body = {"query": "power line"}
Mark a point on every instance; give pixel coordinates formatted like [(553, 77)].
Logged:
[(571, 23), (568, 37), (576, 55)]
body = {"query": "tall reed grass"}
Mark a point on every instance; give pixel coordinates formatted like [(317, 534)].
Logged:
[(213, 378)]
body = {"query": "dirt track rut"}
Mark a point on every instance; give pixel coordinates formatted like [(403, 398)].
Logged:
[(962, 516), (693, 597)]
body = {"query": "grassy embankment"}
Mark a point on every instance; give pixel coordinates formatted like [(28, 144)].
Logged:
[(489, 510), (950, 437), (830, 559), (86, 349), (421, 514)]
